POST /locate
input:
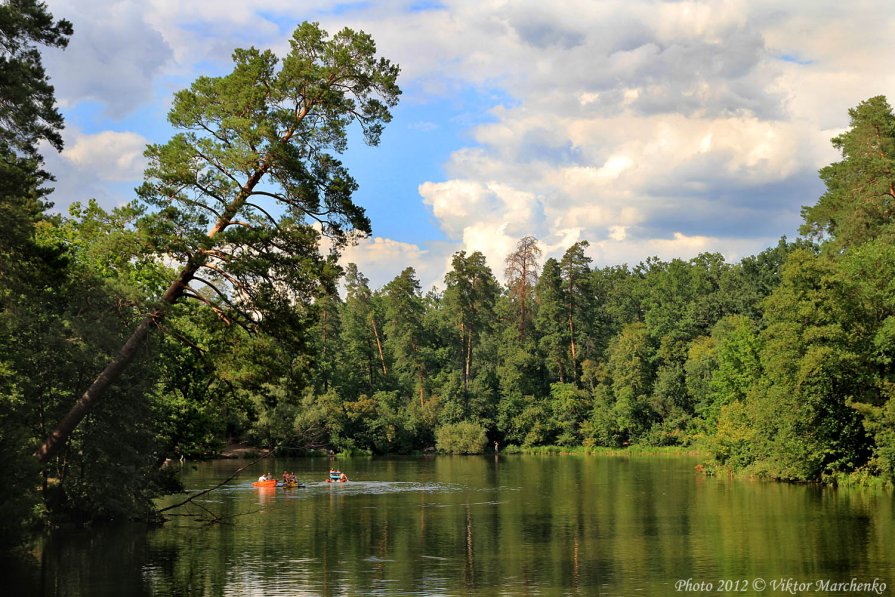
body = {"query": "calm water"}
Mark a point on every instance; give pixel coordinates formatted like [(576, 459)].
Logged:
[(517, 525)]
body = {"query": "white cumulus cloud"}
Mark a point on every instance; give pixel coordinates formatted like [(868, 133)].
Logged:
[(643, 126), (108, 155), (382, 259)]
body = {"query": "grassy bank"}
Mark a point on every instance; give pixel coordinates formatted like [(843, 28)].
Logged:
[(634, 450)]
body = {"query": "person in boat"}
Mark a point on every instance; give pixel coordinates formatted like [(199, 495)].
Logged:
[(343, 477)]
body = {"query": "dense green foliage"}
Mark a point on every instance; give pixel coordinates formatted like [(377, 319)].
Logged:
[(465, 437), (221, 255), (781, 364), (241, 198), (31, 288)]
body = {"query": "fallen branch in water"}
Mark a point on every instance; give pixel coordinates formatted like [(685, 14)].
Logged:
[(213, 518), (218, 486)]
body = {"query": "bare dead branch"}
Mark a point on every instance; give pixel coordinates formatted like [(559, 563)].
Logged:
[(227, 318), (222, 138), (261, 209), (217, 167), (222, 315), (218, 254), (219, 485), (231, 279), (211, 194), (200, 204), (217, 290)]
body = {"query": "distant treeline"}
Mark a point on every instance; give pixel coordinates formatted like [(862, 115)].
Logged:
[(780, 365)]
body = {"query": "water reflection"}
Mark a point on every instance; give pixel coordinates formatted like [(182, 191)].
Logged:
[(452, 525), (265, 494)]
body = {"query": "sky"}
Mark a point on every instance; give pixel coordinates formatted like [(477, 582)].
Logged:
[(646, 127)]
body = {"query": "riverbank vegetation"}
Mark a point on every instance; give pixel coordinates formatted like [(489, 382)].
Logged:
[(211, 318)]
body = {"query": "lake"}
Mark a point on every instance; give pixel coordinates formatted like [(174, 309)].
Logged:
[(508, 525)]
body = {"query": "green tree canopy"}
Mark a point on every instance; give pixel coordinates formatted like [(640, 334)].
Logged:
[(470, 294), (28, 112), (28, 116), (242, 195), (575, 272), (553, 322), (859, 203), (404, 329), (32, 273)]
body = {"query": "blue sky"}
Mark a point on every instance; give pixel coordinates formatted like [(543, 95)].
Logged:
[(414, 148), (646, 127)]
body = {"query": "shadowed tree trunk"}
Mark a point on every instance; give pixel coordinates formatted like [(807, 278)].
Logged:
[(94, 394)]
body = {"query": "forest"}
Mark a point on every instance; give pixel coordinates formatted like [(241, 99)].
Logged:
[(206, 312)]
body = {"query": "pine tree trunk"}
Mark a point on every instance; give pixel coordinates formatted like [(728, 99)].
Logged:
[(94, 394), (97, 390), (323, 353), (378, 345), (571, 323), (468, 371), (465, 357), (419, 372)]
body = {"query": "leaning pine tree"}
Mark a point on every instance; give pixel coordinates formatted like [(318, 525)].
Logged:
[(242, 195)]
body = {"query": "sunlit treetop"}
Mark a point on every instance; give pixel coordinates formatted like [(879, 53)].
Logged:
[(859, 203)]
